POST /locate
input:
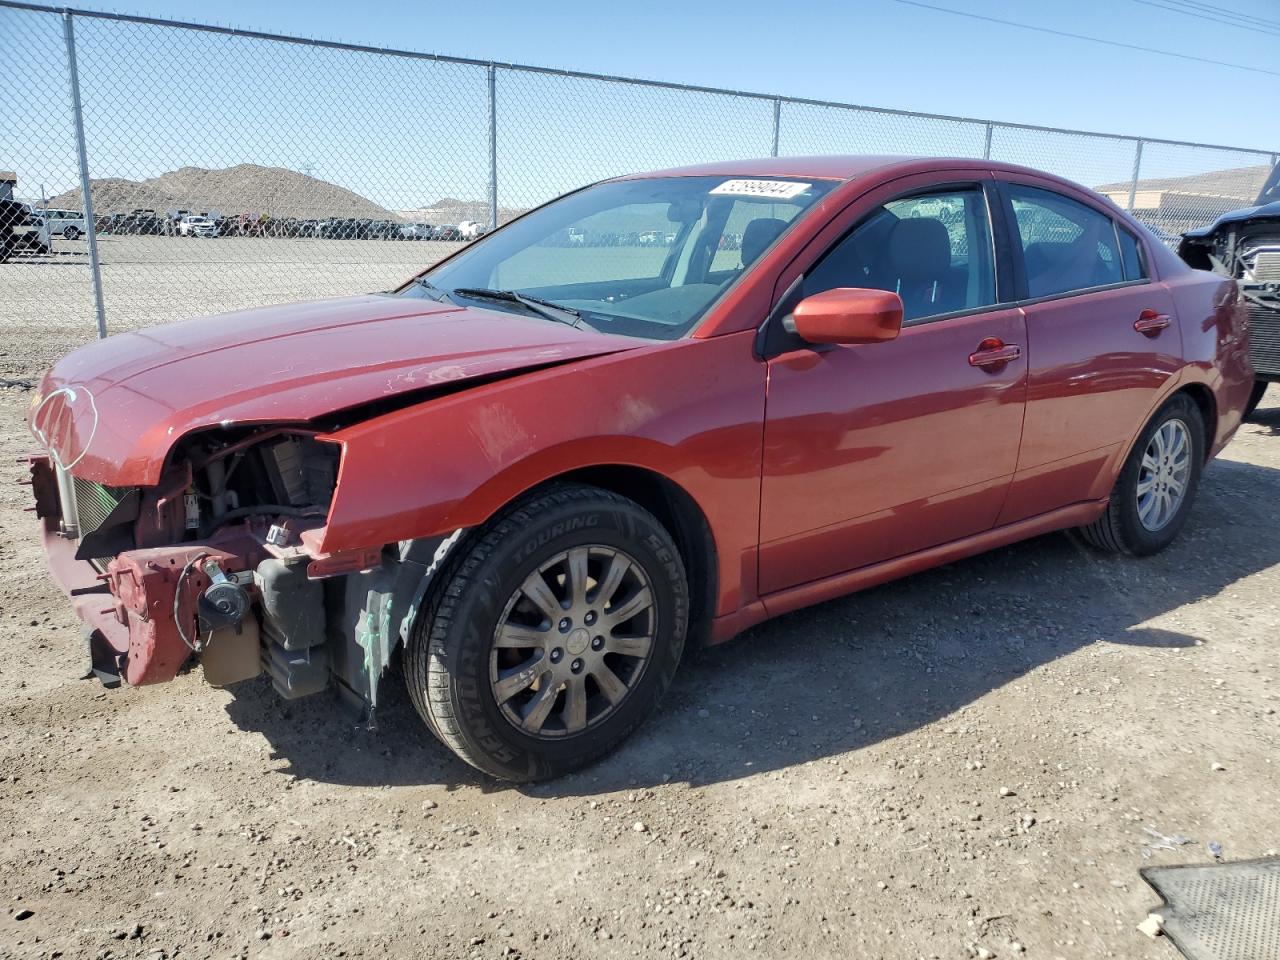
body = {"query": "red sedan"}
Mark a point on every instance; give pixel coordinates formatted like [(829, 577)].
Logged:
[(653, 412)]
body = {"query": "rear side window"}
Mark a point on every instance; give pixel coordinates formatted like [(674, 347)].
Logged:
[(1129, 255), (1066, 245), (934, 251)]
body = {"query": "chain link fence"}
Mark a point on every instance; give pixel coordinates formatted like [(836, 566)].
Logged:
[(229, 169)]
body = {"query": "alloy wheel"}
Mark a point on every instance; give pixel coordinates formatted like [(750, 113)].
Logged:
[(1164, 474), (573, 641)]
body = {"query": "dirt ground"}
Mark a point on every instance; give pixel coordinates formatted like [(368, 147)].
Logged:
[(965, 763)]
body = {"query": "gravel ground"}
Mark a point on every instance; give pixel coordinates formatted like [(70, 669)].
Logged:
[(965, 763)]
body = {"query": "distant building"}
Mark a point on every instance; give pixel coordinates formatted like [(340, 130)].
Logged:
[(1182, 203)]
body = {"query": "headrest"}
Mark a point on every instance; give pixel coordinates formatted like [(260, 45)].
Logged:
[(920, 249), (757, 237)]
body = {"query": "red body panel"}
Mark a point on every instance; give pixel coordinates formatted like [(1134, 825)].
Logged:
[(818, 471), (690, 411), (877, 450), (277, 364)]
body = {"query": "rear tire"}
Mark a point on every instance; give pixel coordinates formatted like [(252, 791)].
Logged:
[(1155, 468), (560, 717), (71, 233)]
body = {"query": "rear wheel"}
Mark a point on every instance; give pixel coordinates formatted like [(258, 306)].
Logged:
[(71, 233), (1156, 486), (551, 634)]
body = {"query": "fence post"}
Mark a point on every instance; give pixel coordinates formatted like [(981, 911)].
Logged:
[(1137, 170), (493, 147), (986, 147), (86, 193), (777, 124)]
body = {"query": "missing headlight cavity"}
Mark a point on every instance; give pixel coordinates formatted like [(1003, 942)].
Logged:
[(301, 472), (270, 472)]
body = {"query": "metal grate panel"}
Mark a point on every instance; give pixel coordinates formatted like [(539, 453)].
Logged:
[(1221, 911), (1266, 265), (1264, 339), (95, 502)]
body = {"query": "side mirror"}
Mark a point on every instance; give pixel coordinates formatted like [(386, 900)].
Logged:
[(848, 315)]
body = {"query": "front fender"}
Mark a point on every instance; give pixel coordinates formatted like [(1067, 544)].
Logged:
[(691, 411)]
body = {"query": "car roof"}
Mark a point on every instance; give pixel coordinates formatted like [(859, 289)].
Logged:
[(832, 167)]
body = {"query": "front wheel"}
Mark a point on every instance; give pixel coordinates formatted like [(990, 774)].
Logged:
[(71, 233), (551, 634), (1157, 484)]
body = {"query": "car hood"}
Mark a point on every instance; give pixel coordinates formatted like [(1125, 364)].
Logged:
[(1267, 211), (110, 411)]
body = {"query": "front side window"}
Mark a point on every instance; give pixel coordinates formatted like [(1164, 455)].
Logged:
[(933, 250), (1066, 245), (644, 258)]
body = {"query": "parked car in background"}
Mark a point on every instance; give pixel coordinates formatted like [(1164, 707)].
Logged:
[(631, 449), (471, 229), (21, 230), (383, 230), (68, 224), (140, 223), (446, 231), (194, 225), (415, 231), (1245, 245)]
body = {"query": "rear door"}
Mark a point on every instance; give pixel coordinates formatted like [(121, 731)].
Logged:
[(1102, 341)]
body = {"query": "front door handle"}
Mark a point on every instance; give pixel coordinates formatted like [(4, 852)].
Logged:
[(994, 352), (1150, 322)]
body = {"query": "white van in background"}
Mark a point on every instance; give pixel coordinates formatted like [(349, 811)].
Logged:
[(68, 224)]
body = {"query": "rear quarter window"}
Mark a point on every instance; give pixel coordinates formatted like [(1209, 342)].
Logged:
[(1131, 255)]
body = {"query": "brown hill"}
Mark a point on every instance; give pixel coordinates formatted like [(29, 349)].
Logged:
[(453, 210), (247, 188)]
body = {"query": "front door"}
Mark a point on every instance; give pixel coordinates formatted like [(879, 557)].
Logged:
[(873, 451)]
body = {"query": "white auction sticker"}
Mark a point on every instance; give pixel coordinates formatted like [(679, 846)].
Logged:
[(769, 189)]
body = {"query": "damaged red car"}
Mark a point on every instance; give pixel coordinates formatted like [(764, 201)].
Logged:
[(648, 414)]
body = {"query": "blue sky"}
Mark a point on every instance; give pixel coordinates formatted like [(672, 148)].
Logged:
[(874, 52), (156, 100)]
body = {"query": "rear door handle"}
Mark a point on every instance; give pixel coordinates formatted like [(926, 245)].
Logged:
[(1150, 322), (994, 352)]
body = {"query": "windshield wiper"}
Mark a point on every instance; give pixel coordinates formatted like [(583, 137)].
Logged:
[(434, 292), (543, 308)]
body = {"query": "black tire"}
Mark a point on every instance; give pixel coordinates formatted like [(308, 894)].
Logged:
[(71, 233), (447, 657), (1119, 529), (1255, 398)]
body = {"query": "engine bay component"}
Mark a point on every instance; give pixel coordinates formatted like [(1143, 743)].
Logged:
[(224, 602), (156, 595), (296, 673), (232, 654), (292, 604)]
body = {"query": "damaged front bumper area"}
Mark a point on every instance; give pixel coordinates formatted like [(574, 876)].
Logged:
[(1245, 245), (252, 596)]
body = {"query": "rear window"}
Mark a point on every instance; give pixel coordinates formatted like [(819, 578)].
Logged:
[(1066, 245)]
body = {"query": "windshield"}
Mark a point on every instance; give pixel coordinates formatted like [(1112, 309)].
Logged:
[(642, 258), (1271, 191)]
